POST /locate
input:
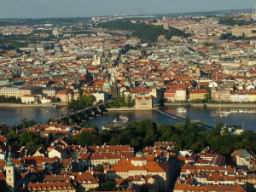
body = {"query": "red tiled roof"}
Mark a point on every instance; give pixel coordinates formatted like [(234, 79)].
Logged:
[(199, 91), (85, 177), (206, 188), (50, 186), (126, 165), (2, 139)]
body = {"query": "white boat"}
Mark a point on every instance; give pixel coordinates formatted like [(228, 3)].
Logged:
[(221, 113), (181, 110), (105, 128)]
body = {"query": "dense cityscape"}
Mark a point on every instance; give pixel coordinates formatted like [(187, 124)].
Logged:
[(88, 67)]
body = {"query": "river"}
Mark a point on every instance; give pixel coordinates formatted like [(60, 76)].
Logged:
[(212, 117), (13, 116)]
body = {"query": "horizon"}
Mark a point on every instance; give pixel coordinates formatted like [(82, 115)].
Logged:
[(132, 15), (29, 9)]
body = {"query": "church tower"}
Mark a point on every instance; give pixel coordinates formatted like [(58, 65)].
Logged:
[(10, 173)]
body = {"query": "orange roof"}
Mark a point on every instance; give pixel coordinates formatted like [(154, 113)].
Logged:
[(2, 139), (126, 166), (50, 186), (86, 177), (2, 176), (56, 178), (111, 148), (199, 91), (217, 188), (2, 164), (206, 168)]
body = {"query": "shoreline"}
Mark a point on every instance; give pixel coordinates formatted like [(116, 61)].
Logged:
[(215, 105), (128, 109), (19, 105), (201, 105)]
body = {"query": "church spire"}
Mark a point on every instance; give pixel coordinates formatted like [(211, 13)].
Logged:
[(9, 159)]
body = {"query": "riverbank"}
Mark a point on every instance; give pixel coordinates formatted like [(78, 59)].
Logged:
[(215, 105), (19, 105), (129, 109)]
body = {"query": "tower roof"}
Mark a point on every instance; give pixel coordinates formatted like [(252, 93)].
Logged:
[(9, 159)]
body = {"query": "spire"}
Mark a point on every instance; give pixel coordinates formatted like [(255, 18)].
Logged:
[(9, 159)]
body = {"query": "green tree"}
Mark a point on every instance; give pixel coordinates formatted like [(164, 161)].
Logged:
[(88, 138), (130, 101), (108, 186), (82, 102), (147, 33), (30, 140)]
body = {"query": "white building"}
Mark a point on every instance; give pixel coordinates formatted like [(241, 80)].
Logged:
[(100, 97), (45, 100), (56, 153), (139, 165), (181, 95), (29, 99), (50, 92), (10, 92), (239, 98)]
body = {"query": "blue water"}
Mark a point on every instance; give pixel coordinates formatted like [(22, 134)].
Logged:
[(208, 116), (12, 116), (133, 116)]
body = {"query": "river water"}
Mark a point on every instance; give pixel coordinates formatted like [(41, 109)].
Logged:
[(13, 116), (212, 117)]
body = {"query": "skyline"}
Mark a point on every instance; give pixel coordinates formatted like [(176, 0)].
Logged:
[(87, 8)]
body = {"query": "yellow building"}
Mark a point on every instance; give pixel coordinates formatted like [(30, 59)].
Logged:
[(221, 95), (29, 99), (50, 92), (143, 102), (251, 97), (10, 92), (25, 91), (87, 180), (198, 94), (244, 31), (139, 165), (65, 96)]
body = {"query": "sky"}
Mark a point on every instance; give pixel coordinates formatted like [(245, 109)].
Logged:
[(80, 8)]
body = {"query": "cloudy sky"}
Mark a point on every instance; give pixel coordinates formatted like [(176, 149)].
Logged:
[(73, 8)]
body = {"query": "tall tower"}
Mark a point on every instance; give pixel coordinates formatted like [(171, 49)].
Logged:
[(10, 172), (254, 13), (255, 9)]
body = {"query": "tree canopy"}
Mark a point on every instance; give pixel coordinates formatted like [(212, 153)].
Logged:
[(145, 32), (82, 102), (186, 135)]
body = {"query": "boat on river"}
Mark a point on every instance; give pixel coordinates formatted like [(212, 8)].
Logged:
[(118, 123), (181, 110), (226, 113)]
